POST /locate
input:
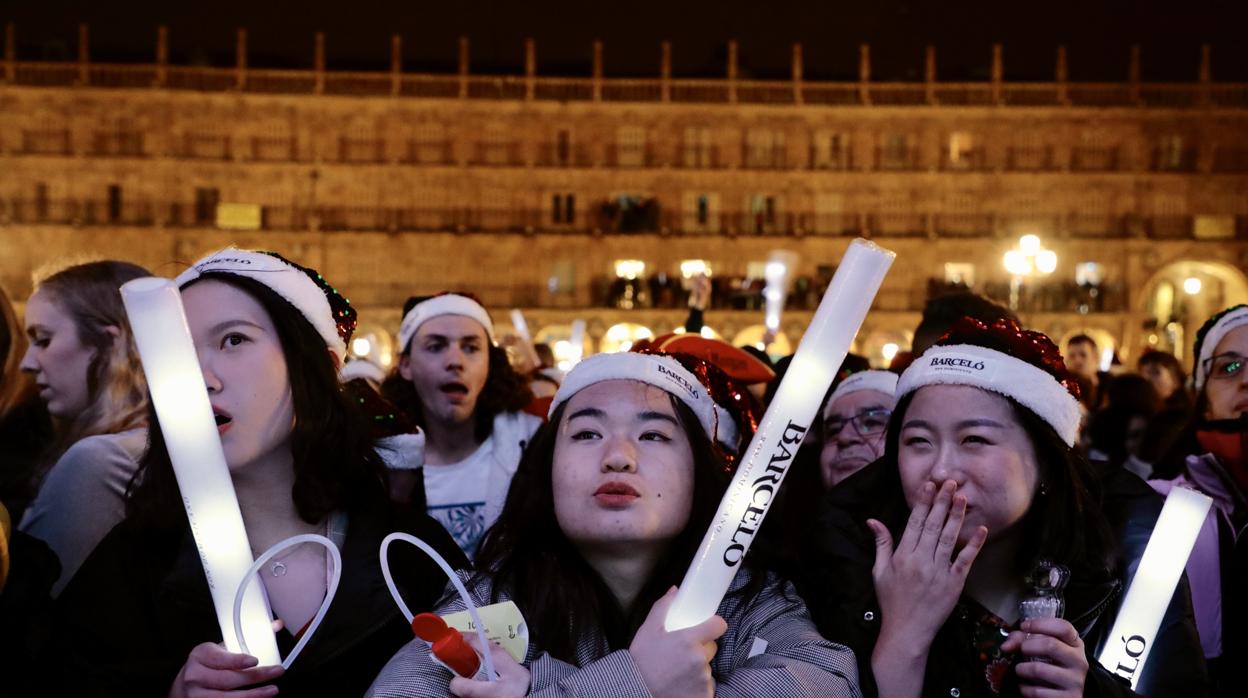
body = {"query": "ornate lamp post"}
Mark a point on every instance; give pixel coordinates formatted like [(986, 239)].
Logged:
[(1027, 260)]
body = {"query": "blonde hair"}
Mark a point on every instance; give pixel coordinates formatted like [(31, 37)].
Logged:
[(116, 388), (15, 387)]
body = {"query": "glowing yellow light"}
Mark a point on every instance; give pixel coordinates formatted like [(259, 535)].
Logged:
[(1046, 261), (629, 268), (888, 351), (1192, 285), (1029, 244), (692, 267), (360, 346), (1017, 263)]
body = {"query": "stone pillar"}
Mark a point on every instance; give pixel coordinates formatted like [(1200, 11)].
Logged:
[(732, 71), (998, 73), (797, 74), (1061, 77), (530, 69), (240, 59), (318, 62), (1206, 73), (10, 52), (1133, 74), (84, 55), (396, 65), (665, 71), (929, 74), (597, 71), (864, 73), (463, 67), (162, 55)]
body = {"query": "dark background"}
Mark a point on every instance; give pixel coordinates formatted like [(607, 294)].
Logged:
[(1098, 35)]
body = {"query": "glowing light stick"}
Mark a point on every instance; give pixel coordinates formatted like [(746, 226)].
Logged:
[(766, 461), (776, 275), (578, 342), (1148, 597), (158, 321), (526, 339)]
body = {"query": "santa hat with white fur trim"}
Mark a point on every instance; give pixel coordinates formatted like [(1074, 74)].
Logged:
[(660, 371), (1210, 335), (879, 381), (439, 305), (1022, 365), (327, 310)]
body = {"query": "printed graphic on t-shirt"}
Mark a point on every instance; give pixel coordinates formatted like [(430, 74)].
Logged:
[(465, 522)]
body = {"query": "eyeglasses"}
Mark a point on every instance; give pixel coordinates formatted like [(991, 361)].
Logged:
[(869, 422), (1224, 366)]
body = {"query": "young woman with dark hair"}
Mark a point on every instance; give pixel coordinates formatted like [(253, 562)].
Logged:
[(84, 362), (978, 498), (457, 385), (1212, 456), (607, 510), (270, 336)]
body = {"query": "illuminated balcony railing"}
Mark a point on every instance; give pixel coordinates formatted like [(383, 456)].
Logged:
[(581, 89), (129, 211)]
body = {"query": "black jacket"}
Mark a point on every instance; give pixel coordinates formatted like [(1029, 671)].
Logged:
[(139, 604), (837, 585)]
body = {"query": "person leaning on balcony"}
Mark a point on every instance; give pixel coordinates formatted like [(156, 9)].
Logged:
[(458, 386), (926, 552), (605, 515)]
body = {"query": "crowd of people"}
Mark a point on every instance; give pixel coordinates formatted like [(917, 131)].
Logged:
[(925, 508)]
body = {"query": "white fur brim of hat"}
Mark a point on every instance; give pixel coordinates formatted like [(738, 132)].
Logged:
[(1232, 320), (286, 281), (980, 367), (662, 372), (402, 451), (879, 381), (446, 304), (362, 368)]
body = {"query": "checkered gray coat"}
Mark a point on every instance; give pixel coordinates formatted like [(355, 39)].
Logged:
[(797, 662)]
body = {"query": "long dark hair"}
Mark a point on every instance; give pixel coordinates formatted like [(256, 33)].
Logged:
[(505, 390), (1064, 523), (528, 556), (336, 467)]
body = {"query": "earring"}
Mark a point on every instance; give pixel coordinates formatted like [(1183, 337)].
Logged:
[(1044, 490)]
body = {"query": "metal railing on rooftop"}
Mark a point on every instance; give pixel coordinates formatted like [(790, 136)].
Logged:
[(582, 89)]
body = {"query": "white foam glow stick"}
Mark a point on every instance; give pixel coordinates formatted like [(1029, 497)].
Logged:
[(158, 321), (766, 461), (1152, 588), (522, 327), (577, 341), (776, 275)]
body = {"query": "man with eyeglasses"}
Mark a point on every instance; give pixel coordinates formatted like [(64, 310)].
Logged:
[(854, 421)]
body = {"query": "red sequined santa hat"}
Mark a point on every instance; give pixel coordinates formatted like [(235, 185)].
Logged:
[(1005, 359)]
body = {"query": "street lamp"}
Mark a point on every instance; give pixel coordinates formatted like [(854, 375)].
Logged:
[(1027, 260)]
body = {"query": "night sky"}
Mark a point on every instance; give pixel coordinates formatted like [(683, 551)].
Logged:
[(1097, 34)]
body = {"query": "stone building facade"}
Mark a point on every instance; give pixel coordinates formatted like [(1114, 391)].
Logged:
[(528, 190)]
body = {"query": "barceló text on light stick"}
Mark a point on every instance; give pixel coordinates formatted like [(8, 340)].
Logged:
[(1148, 597), (766, 461), (154, 308)]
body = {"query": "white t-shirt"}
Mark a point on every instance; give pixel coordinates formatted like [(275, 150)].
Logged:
[(456, 495), (467, 497)]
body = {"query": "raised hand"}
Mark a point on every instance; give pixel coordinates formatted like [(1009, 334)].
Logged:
[(212, 670), (676, 664), (918, 584), (1065, 665), (513, 679)]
